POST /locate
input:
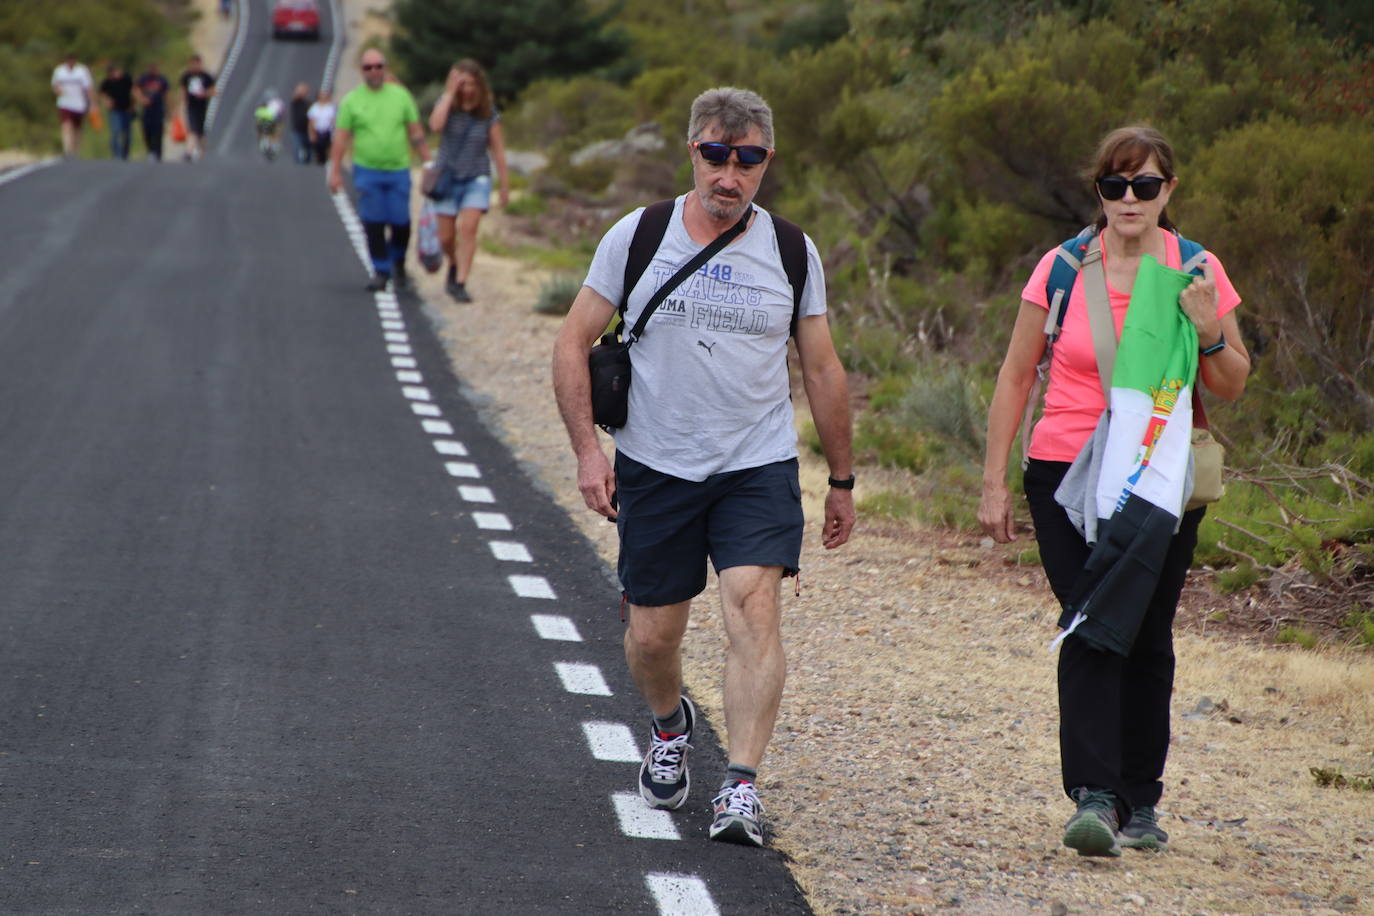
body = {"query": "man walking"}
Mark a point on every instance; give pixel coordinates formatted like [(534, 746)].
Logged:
[(706, 465), (379, 121), (197, 87), (72, 84), (118, 90), (152, 96)]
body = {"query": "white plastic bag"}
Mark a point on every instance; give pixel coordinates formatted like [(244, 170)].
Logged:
[(427, 239)]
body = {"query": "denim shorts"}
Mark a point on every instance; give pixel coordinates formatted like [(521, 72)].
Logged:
[(670, 526), (468, 194), (383, 195)]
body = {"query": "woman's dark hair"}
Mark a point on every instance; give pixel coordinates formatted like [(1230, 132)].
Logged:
[(485, 104), (1127, 149)]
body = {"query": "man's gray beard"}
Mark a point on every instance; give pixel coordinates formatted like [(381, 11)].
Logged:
[(715, 212)]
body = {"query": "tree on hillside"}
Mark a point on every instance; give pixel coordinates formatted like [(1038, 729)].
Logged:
[(518, 41)]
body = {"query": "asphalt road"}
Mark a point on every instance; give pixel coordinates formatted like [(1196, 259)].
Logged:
[(265, 646)]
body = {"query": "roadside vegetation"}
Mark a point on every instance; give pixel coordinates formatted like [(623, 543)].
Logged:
[(34, 37), (934, 150)]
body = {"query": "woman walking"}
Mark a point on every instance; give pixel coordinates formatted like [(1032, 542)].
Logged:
[(1113, 705), (471, 139)]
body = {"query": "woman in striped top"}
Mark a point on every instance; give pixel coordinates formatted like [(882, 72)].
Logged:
[(471, 140)]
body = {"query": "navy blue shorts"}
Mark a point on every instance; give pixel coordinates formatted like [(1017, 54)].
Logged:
[(670, 526)]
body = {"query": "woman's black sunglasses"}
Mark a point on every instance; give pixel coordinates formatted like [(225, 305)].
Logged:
[(1146, 187), (719, 153)]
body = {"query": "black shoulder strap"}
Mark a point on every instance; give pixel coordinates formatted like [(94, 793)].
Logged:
[(685, 271), (792, 247), (653, 223)]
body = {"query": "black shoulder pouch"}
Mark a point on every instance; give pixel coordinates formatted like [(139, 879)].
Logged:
[(609, 362)]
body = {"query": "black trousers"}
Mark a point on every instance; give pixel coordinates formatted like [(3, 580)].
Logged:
[(1113, 710)]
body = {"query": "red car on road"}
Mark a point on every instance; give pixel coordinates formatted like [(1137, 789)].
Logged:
[(296, 19)]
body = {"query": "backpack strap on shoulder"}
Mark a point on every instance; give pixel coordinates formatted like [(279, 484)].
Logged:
[(1191, 255), (1068, 261), (792, 248), (653, 223)]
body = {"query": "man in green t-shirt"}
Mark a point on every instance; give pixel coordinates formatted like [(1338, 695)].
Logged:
[(380, 122)]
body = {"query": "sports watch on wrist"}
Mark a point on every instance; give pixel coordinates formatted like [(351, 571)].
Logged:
[(846, 483), (1216, 347)]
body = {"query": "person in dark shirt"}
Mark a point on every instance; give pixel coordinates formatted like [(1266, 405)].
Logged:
[(152, 95), (118, 91), (197, 87), (300, 122)]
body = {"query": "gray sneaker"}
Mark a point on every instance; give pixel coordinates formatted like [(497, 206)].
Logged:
[(663, 777), (1142, 831), (737, 811), (1092, 829)]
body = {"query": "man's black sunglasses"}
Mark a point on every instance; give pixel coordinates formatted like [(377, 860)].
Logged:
[(1146, 187), (719, 153)]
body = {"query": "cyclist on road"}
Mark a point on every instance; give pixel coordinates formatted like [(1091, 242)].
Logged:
[(267, 123)]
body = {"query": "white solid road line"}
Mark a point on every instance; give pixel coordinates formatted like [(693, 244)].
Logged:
[(611, 741), (583, 679), (681, 895)]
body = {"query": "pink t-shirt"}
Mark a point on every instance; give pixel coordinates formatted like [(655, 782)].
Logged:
[(1073, 398)]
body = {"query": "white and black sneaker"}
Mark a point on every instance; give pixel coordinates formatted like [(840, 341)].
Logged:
[(737, 814), (663, 777)]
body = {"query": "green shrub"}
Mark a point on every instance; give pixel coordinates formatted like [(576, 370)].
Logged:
[(880, 441), (887, 504), (1237, 579), (557, 295), (1299, 636), (1360, 622), (527, 205)]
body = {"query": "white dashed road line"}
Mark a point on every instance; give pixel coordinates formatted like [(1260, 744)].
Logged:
[(510, 551), (492, 521), (611, 741), (674, 895), (640, 821), (552, 626), (532, 587), (681, 895), (583, 679)]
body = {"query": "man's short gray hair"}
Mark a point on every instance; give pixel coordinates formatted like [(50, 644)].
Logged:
[(734, 111)]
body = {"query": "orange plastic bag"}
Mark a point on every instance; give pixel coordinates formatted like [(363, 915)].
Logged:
[(97, 122), (178, 129)]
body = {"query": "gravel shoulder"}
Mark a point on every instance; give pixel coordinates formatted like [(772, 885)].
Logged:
[(915, 766)]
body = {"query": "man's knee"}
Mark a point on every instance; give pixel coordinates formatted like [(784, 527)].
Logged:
[(656, 632)]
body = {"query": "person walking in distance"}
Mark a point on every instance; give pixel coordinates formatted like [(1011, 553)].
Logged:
[(152, 98), (378, 122), (1114, 690), (72, 84), (118, 89), (706, 464), (197, 88), (466, 118), (300, 123), (321, 117)]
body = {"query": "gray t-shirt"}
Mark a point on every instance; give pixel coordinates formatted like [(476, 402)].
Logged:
[(710, 388)]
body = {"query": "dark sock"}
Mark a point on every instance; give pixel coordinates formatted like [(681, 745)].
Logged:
[(738, 772), (675, 723), (452, 274)]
